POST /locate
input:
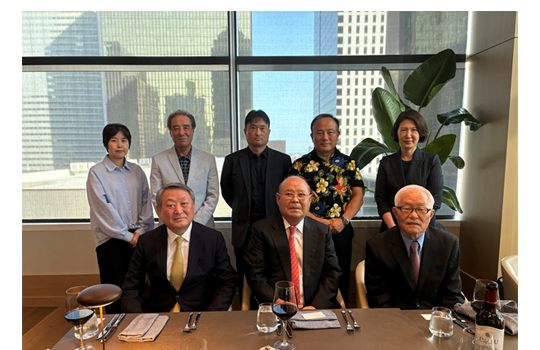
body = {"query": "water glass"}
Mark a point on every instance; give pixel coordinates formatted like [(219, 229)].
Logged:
[(193, 343), (266, 319), (441, 324), (467, 340)]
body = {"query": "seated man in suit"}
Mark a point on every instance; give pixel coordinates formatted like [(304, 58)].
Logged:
[(411, 265), (270, 259), (196, 276)]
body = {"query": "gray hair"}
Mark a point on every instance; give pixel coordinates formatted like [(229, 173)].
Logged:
[(431, 200), (172, 186), (181, 112)]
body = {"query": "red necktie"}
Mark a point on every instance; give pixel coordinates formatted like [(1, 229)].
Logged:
[(415, 260), (294, 263)]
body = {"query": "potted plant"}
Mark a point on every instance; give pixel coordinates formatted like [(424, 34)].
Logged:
[(420, 87)]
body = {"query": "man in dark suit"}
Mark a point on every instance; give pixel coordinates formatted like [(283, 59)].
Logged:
[(249, 180), (269, 255), (412, 265), (187, 263)]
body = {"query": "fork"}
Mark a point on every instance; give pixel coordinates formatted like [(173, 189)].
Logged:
[(194, 325), (349, 328), (186, 328)]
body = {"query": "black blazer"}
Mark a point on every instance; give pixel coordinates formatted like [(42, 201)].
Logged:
[(236, 188), (425, 170), (269, 261), (389, 277), (209, 284)]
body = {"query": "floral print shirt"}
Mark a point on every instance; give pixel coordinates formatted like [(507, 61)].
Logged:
[(331, 181)]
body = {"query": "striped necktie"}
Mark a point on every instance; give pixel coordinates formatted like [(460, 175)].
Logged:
[(295, 276)]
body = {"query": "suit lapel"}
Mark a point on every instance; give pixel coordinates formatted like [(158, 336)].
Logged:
[(175, 164), (400, 254), (193, 165), (429, 254), (311, 237), (195, 246), (397, 169), (279, 236), (244, 166), (162, 247)]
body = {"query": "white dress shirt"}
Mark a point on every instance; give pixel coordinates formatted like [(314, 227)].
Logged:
[(299, 246), (171, 249)]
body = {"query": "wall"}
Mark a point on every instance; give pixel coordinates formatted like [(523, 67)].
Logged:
[(489, 181)]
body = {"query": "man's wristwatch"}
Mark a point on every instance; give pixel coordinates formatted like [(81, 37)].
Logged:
[(345, 220)]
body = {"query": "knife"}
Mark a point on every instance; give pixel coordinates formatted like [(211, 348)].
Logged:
[(113, 328), (108, 326)]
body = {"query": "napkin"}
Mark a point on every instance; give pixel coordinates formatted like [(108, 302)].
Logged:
[(328, 319), (509, 311), (143, 328)]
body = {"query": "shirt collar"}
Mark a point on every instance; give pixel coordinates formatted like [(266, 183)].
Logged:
[(186, 235), (111, 166), (407, 241), (316, 156), (263, 153), (299, 227), (181, 156)]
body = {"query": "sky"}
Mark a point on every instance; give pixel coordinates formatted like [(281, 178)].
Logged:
[(287, 97)]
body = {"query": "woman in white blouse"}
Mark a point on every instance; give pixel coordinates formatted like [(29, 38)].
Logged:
[(120, 207)]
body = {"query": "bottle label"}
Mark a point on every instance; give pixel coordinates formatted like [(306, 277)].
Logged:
[(481, 339)]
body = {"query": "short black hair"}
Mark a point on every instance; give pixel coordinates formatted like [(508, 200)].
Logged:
[(324, 115), (416, 118), (112, 129), (254, 114), (181, 112)]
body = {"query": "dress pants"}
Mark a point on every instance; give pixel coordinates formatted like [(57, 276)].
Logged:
[(343, 248), (114, 258)]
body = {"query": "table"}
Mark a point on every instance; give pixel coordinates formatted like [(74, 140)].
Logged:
[(226, 330)]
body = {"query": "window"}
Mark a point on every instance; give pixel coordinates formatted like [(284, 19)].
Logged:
[(82, 70)]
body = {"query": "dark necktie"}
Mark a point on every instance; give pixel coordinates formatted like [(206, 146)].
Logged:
[(294, 263), (415, 260)]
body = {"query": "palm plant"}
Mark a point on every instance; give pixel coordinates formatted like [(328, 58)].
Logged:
[(420, 87)]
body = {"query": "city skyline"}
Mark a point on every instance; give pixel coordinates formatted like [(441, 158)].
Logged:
[(142, 100)]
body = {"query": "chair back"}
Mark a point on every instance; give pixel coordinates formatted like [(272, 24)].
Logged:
[(361, 300), (509, 268), (246, 296)]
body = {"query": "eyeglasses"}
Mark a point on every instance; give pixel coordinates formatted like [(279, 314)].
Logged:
[(290, 195), (419, 211)]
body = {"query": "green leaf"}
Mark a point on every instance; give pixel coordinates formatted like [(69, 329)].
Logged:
[(430, 77), (442, 146), (390, 83), (367, 150), (450, 199), (457, 116), (386, 109), (458, 162)]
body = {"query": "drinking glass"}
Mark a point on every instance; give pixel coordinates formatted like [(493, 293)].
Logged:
[(193, 343), (266, 320), (440, 324), (479, 295), (284, 307), (91, 327), (77, 314), (467, 340)]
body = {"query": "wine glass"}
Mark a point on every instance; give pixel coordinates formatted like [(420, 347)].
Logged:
[(284, 306), (77, 314), (479, 294)]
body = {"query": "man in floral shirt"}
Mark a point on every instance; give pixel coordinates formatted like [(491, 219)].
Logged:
[(337, 189)]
